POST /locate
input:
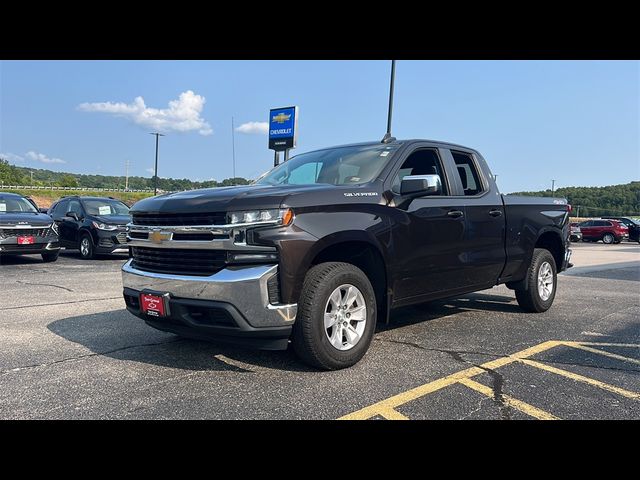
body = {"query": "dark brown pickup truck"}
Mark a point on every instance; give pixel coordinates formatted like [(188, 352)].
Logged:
[(323, 246)]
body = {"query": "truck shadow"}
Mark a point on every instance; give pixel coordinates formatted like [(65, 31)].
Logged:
[(413, 314), (119, 335)]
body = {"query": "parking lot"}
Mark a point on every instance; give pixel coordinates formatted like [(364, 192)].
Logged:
[(71, 350)]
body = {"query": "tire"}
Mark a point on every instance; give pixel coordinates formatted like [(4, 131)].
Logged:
[(87, 252), (608, 238), (311, 340), (50, 257), (530, 299)]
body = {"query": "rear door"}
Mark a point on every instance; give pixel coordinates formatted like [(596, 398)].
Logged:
[(483, 254), (58, 213)]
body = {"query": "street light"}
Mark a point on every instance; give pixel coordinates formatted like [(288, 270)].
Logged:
[(155, 179)]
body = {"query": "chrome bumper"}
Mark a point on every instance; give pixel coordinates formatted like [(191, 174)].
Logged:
[(243, 287)]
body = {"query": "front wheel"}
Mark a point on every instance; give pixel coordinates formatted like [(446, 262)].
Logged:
[(608, 238), (86, 247), (336, 316), (541, 283)]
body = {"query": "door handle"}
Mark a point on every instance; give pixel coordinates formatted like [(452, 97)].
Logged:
[(495, 213), (455, 213)]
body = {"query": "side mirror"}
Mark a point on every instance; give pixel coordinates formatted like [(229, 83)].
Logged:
[(73, 215), (421, 185)]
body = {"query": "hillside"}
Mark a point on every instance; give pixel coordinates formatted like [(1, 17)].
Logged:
[(14, 175), (596, 201)]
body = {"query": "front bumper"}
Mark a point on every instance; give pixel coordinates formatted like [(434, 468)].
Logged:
[(10, 246), (106, 241), (232, 304)]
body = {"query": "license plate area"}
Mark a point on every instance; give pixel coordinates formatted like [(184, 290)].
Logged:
[(154, 304), (26, 240)]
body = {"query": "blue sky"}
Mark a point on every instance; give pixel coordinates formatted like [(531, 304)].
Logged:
[(577, 122)]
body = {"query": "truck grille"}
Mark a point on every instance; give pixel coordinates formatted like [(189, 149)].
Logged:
[(178, 261), (15, 232), (179, 219)]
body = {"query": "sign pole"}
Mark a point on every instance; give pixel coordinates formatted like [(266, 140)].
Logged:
[(286, 155), (276, 158)]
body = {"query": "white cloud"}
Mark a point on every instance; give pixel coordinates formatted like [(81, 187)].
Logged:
[(12, 157), (261, 128), (182, 115), (41, 157), (151, 170)]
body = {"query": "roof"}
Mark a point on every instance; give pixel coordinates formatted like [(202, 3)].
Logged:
[(11, 194), (398, 142)]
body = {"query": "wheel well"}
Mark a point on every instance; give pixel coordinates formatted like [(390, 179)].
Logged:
[(368, 259), (551, 241)]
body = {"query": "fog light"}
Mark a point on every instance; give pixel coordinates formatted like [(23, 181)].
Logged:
[(252, 257)]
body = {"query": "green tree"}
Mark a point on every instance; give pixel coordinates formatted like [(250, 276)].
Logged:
[(67, 180)]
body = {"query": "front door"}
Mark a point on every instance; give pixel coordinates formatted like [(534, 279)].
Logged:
[(428, 235)]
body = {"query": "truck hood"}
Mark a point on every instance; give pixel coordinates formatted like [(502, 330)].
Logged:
[(246, 197), (33, 219)]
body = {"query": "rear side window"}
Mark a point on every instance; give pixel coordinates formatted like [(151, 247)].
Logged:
[(468, 173)]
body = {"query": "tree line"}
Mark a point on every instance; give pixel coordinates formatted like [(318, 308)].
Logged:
[(14, 175), (597, 201)]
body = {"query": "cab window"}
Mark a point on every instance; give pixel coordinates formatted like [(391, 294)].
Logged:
[(421, 162), (468, 173)]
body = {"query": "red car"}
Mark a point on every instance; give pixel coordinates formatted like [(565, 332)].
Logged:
[(609, 231)]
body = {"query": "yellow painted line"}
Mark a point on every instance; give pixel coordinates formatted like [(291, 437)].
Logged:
[(595, 344), (580, 378), (417, 392), (524, 407), (602, 352), (391, 414)]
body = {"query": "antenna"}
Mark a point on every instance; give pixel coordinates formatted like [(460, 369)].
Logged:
[(387, 136)]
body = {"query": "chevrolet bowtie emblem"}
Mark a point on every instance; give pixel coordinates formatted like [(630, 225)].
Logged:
[(281, 117), (158, 236)]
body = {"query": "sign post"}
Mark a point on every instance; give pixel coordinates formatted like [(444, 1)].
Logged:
[(283, 131)]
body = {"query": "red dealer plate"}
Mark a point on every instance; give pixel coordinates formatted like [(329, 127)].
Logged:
[(30, 240), (152, 305)]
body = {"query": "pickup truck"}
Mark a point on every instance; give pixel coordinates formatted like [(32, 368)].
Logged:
[(326, 244)]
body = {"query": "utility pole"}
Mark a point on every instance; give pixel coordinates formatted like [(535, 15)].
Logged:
[(578, 211), (553, 187), (31, 172), (387, 136), (155, 179), (233, 150), (126, 175)]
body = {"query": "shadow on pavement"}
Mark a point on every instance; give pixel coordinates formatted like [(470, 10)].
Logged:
[(120, 335), (20, 259), (413, 314)]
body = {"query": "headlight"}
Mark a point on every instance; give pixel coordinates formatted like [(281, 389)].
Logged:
[(282, 216), (104, 226), (54, 228)]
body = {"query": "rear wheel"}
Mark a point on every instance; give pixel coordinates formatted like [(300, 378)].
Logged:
[(541, 283), (86, 247), (50, 256), (608, 238), (336, 316)]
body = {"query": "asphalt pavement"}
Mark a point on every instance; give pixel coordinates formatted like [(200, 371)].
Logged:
[(70, 350)]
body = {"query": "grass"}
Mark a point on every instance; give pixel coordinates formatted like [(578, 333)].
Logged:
[(44, 198)]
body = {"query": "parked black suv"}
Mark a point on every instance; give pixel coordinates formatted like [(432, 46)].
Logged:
[(633, 225), (94, 225), (25, 231)]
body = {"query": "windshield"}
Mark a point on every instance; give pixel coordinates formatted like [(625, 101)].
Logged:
[(335, 166), (16, 205), (105, 208)]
